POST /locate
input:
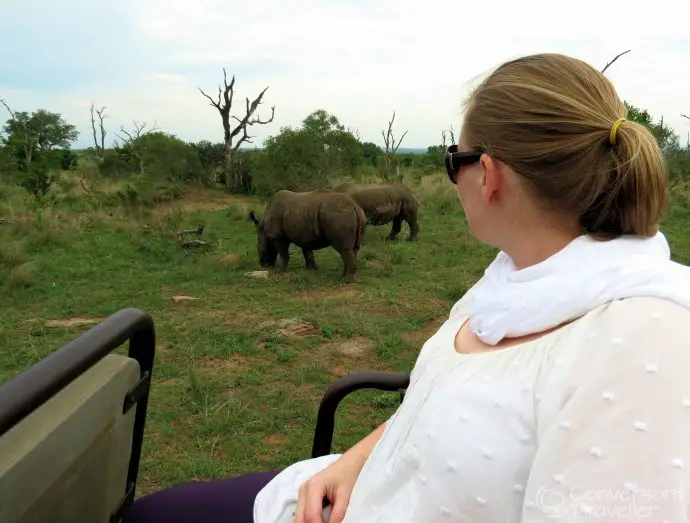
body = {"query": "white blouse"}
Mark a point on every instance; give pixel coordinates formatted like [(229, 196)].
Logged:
[(589, 421)]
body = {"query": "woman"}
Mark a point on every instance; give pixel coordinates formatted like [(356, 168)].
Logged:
[(556, 388)]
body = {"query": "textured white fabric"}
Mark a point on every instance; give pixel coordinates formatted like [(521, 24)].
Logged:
[(585, 274), (589, 421)]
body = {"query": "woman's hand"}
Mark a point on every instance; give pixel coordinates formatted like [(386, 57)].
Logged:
[(334, 483)]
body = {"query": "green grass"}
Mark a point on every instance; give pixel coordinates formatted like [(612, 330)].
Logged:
[(233, 390)]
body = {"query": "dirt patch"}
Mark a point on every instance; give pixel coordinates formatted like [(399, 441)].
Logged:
[(195, 199), (420, 336), (162, 347), (292, 328), (221, 367), (168, 383), (233, 315), (275, 439), (325, 294), (356, 347), (228, 260), (339, 371), (177, 300), (69, 323), (257, 274)]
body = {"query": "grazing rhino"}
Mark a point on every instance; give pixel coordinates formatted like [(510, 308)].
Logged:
[(312, 221), (386, 202)]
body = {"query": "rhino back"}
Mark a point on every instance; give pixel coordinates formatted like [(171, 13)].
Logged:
[(311, 219), (381, 203), (342, 221)]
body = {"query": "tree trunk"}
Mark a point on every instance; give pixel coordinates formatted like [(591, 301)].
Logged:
[(229, 170)]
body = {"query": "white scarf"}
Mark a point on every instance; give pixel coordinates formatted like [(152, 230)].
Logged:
[(584, 275)]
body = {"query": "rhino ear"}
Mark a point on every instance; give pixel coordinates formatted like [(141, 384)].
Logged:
[(253, 218)]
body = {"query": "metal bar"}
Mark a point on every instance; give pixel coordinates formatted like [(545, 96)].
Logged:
[(325, 418), (142, 348)]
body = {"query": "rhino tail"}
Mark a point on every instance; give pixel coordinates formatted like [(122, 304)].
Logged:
[(361, 225)]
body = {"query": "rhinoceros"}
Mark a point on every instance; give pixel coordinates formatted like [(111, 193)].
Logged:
[(386, 202), (312, 221)]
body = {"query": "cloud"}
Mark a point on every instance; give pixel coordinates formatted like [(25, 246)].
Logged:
[(145, 59)]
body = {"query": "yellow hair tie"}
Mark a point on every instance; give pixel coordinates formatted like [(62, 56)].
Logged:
[(614, 128)]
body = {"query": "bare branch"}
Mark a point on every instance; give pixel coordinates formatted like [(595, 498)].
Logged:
[(452, 135), (7, 107), (137, 133), (131, 139), (612, 61), (245, 138), (389, 138), (83, 185), (211, 102), (250, 109), (391, 145), (100, 148), (685, 116)]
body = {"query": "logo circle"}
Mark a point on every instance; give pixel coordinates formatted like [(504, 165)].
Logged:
[(549, 500)]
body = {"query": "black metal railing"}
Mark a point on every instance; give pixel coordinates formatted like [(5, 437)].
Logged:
[(325, 418), (26, 392)]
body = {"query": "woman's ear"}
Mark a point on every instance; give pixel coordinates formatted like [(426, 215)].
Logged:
[(493, 177)]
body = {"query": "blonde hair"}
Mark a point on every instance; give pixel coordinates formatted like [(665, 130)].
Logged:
[(549, 117)]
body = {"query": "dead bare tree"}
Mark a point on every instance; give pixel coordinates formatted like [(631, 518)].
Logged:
[(444, 136), (615, 58), (100, 147), (391, 147), (132, 139), (224, 106)]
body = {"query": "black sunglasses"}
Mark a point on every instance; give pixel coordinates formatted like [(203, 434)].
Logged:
[(455, 160)]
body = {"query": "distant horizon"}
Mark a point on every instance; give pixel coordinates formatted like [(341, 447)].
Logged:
[(248, 148)]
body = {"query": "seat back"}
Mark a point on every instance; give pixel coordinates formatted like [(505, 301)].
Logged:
[(71, 427)]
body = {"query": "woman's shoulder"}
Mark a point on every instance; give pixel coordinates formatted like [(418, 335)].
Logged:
[(645, 327), (644, 310)]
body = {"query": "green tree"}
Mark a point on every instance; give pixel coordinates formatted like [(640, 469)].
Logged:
[(371, 152), (665, 137), (41, 131), (160, 155), (307, 157), (38, 143)]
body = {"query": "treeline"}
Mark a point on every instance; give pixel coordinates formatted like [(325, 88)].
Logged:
[(36, 147)]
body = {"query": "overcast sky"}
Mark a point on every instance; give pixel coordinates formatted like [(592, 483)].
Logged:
[(358, 59)]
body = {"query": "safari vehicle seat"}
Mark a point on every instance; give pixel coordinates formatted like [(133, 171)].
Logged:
[(72, 425)]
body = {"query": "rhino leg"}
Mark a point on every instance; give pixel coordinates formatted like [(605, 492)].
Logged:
[(283, 256), (414, 228), (395, 230), (309, 260), (349, 265)]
